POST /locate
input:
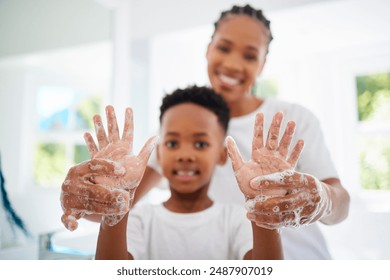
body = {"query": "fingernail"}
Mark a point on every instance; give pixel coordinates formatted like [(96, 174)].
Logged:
[(255, 182)]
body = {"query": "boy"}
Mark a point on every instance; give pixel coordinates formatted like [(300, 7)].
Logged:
[(189, 225)]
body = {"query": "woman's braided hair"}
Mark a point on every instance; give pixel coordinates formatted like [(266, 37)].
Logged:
[(249, 11)]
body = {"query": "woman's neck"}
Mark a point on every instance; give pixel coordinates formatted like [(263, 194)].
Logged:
[(245, 106)]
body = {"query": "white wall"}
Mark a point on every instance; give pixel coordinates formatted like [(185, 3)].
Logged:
[(34, 26)]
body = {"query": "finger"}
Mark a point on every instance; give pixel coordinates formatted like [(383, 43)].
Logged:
[(286, 139), (147, 150), (258, 141), (271, 220), (106, 181), (296, 152), (70, 222), (234, 154), (273, 133), (112, 125), (82, 204), (292, 202), (128, 129), (278, 179), (100, 132), (78, 171), (92, 192), (92, 148), (81, 172)]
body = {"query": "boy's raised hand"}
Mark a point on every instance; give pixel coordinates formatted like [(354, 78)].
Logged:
[(121, 172)]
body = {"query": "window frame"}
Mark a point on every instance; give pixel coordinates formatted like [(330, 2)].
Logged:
[(362, 61)]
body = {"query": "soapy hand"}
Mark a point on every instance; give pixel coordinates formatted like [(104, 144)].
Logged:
[(80, 195), (277, 195), (307, 200), (117, 152), (266, 160)]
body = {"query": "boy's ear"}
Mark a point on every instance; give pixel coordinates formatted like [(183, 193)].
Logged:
[(223, 156)]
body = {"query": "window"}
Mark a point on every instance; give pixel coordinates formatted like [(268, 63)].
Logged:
[(63, 115), (373, 101), (69, 87)]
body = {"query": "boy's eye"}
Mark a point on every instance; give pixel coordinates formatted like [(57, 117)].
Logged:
[(201, 145), (171, 144)]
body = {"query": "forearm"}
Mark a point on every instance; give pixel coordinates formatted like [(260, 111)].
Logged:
[(267, 244), (340, 201), (112, 244)]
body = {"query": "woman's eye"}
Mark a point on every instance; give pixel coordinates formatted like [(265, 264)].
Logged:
[(250, 57), (201, 145), (171, 144), (223, 49)]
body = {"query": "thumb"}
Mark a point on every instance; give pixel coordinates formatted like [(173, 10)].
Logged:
[(147, 149), (234, 154)]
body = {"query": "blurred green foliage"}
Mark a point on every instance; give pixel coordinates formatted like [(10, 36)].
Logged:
[(81, 154), (373, 97), (86, 110), (266, 88), (375, 163), (50, 164)]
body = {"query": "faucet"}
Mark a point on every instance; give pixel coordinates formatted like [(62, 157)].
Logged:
[(50, 251)]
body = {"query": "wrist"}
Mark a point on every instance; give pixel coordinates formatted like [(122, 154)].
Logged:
[(325, 193)]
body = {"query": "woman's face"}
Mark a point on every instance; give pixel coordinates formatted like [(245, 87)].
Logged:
[(236, 56)]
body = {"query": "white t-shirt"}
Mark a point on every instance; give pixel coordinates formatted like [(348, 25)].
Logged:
[(303, 243), (220, 232)]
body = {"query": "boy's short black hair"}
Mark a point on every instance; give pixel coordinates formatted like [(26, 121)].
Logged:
[(202, 96)]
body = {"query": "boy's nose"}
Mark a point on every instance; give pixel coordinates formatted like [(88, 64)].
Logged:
[(186, 158)]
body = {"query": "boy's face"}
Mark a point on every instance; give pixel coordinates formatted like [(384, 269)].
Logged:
[(236, 56), (191, 145)]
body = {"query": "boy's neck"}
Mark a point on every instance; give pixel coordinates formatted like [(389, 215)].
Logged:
[(188, 202)]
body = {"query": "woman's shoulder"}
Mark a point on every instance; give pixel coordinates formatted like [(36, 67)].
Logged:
[(290, 110)]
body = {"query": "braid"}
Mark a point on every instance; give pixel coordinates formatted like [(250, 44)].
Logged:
[(249, 11)]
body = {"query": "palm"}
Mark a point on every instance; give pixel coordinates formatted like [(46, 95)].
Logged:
[(105, 184), (267, 159), (119, 150)]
